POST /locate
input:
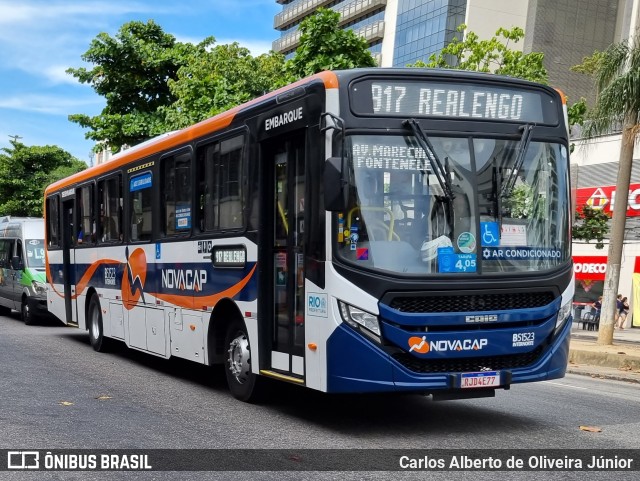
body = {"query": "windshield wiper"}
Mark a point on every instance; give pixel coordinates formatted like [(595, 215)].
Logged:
[(523, 145), (434, 161)]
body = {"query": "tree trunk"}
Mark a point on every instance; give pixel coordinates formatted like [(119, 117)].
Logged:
[(612, 277)]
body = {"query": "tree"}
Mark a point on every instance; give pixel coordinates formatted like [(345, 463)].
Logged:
[(492, 55), (616, 72), (26, 171), (215, 81), (132, 72), (325, 46), (592, 224)]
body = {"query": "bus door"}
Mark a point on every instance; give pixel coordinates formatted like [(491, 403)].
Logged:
[(68, 259), (284, 213)]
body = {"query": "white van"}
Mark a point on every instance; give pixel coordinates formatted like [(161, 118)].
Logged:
[(22, 267)]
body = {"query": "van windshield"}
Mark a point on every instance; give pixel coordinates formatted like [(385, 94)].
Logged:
[(35, 253)]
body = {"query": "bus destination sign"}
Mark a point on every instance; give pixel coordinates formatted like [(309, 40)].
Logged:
[(229, 256), (452, 100)]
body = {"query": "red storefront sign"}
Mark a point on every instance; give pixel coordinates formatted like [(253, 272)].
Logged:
[(591, 268), (604, 198)]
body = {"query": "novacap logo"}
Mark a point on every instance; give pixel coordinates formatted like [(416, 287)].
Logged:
[(419, 344), (135, 274), (422, 346)]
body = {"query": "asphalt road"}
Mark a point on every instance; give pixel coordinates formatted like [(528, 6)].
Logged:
[(57, 393)]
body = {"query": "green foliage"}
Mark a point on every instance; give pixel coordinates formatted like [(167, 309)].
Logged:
[(492, 55), (521, 201), (577, 112), (616, 73), (132, 72), (589, 64), (591, 224), (325, 46), (215, 81), (153, 84), (26, 171)]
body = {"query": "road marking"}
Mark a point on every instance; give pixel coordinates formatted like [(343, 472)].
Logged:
[(568, 385)]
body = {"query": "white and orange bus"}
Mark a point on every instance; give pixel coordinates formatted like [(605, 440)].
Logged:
[(357, 231)]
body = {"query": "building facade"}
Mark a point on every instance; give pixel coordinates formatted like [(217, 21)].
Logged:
[(594, 171), (400, 32)]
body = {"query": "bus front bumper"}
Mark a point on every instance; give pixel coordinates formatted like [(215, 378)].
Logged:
[(357, 365)]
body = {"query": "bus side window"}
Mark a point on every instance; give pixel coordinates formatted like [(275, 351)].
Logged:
[(176, 194), (220, 190), (53, 220), (140, 215), (109, 226)]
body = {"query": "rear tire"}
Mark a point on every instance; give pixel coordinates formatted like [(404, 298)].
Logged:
[(25, 312), (96, 331), (243, 384)]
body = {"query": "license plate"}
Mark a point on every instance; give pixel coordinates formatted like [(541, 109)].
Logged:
[(480, 379)]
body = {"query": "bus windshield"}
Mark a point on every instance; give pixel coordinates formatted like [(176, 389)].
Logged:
[(465, 205), (35, 253)]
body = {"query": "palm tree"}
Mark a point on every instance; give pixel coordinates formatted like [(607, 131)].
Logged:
[(616, 72)]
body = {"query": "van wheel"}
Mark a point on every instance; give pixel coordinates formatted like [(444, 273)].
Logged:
[(96, 332), (243, 384), (25, 312)]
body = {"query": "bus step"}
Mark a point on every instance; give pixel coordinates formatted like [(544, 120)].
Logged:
[(282, 377)]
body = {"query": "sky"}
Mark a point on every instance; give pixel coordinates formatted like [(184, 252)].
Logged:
[(40, 39)]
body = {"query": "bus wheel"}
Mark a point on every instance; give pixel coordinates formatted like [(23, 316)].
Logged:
[(96, 332), (25, 312), (243, 384)]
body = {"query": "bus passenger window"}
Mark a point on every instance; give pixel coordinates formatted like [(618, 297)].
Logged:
[(53, 220), (141, 208), (176, 194), (220, 168), (110, 219)]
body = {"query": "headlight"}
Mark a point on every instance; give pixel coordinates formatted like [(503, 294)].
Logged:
[(563, 314), (360, 320), (39, 287)]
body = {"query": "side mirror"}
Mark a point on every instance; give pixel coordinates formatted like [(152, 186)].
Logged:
[(335, 193), (16, 263)]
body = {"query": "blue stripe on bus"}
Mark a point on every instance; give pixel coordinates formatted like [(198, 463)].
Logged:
[(168, 278)]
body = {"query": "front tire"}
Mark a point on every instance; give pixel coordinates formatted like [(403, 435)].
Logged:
[(25, 312), (243, 384), (96, 331)]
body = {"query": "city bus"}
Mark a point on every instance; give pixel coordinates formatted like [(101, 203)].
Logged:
[(357, 231)]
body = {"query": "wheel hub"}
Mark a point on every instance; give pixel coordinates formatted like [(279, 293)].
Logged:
[(239, 358), (95, 328)]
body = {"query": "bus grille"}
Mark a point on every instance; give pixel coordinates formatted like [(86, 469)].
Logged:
[(473, 302), (468, 364)]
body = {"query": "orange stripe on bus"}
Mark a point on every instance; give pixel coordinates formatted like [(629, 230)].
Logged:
[(84, 280), (562, 96), (220, 121)]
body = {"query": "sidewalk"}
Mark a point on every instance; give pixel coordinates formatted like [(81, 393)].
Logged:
[(619, 361)]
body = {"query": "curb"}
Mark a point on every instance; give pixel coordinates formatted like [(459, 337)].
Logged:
[(604, 359), (602, 375)]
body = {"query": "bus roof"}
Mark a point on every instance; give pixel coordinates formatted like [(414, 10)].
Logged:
[(224, 119), (167, 140)]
